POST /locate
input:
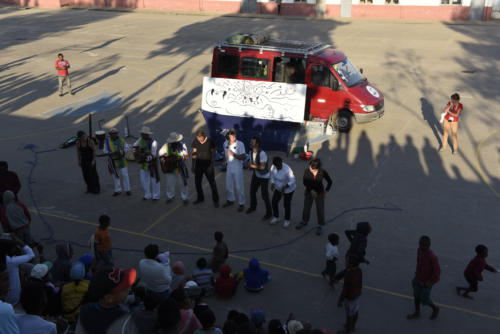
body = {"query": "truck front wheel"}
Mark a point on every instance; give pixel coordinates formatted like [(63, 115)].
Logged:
[(344, 122)]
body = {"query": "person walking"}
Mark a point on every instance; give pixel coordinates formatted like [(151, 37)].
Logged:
[(315, 191), (452, 113), (473, 271), (145, 151), (86, 153), (172, 156), (102, 242), (203, 154), (259, 165), (426, 275), (283, 185), (234, 151), (116, 148), (351, 291), (62, 66)]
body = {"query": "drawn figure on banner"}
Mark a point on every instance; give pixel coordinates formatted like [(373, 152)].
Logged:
[(258, 99)]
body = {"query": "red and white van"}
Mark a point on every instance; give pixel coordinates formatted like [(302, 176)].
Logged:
[(336, 89)]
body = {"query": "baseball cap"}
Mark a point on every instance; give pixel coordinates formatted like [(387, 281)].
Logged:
[(40, 270), (112, 280)]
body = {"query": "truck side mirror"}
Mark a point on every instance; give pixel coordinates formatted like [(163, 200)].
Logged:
[(361, 70)]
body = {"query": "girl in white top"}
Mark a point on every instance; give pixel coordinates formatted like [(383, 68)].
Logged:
[(283, 184)]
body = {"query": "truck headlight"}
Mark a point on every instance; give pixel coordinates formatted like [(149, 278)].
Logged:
[(368, 108)]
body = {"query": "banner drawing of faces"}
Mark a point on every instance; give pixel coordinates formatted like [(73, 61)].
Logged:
[(259, 99)]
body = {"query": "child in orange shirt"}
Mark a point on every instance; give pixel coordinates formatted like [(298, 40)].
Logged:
[(102, 242)]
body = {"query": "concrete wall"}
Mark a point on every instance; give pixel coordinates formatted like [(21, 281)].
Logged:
[(406, 9)]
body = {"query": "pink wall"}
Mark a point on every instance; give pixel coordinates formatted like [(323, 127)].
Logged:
[(298, 9), (411, 12)]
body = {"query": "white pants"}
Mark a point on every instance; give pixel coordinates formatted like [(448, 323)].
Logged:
[(126, 181), (234, 179), (150, 186), (173, 180)]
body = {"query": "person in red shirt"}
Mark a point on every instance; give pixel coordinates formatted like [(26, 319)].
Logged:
[(226, 284), (351, 291), (450, 122), (426, 275), (62, 66), (473, 271)]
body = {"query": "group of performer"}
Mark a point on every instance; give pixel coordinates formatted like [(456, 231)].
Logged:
[(171, 160)]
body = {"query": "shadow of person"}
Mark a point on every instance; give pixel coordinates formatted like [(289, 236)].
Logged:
[(434, 162), (411, 153), (429, 115)]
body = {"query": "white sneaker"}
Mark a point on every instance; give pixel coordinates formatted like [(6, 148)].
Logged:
[(274, 221), (286, 223)]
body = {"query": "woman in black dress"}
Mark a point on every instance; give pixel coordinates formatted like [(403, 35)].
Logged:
[(86, 152)]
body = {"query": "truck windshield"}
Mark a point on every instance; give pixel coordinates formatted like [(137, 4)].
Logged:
[(348, 72)]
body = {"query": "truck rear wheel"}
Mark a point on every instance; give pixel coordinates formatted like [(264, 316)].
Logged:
[(344, 122)]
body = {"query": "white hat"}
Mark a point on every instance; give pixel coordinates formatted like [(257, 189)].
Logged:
[(100, 132), (40, 270), (113, 130), (174, 137), (190, 285), (146, 130)]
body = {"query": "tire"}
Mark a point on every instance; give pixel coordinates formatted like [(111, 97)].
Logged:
[(344, 122)]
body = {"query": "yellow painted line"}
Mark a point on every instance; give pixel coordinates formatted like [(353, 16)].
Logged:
[(169, 212), (482, 173), (285, 268)]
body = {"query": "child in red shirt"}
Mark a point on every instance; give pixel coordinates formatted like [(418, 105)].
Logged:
[(473, 271)]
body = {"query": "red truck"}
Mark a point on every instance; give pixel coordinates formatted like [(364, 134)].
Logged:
[(337, 92)]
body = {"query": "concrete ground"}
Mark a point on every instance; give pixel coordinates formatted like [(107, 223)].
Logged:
[(149, 67)]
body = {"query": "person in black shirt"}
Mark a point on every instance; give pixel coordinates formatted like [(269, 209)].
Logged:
[(259, 164), (203, 154), (315, 192)]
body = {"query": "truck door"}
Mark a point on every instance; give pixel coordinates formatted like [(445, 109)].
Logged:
[(322, 88)]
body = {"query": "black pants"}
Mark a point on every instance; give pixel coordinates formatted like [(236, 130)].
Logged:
[(287, 203), (254, 187), (90, 177), (330, 270), (205, 167), (320, 207)]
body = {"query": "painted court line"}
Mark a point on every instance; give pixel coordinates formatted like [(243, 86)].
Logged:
[(290, 269), (169, 212)]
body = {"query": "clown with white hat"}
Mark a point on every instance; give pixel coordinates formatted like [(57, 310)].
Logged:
[(173, 154), (145, 151)]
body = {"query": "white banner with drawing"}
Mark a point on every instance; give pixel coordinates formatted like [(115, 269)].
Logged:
[(259, 99)]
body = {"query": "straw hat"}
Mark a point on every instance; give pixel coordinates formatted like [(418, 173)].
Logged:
[(113, 130), (174, 137), (146, 130)]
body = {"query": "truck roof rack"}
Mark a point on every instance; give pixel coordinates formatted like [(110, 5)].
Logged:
[(300, 47)]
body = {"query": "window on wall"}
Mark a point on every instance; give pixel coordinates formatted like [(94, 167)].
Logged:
[(255, 68), (451, 2), (394, 2), (299, 0), (365, 1)]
